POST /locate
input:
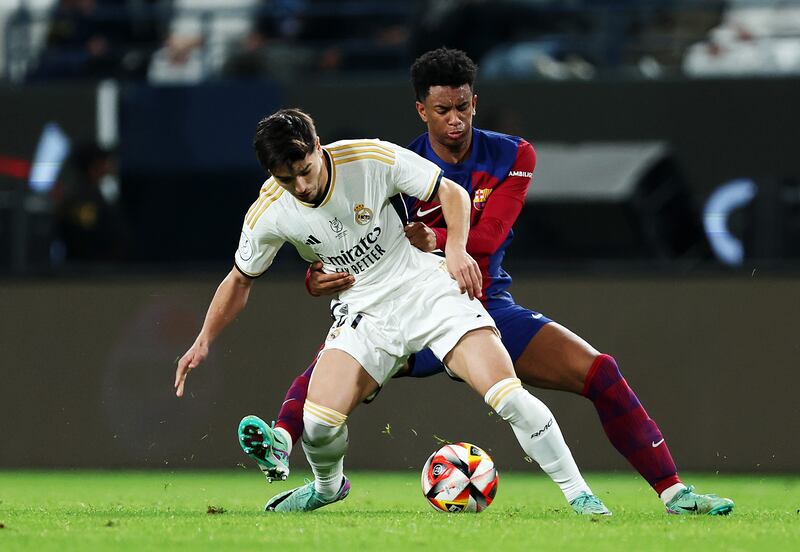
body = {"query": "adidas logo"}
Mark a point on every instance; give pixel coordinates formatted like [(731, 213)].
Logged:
[(312, 240)]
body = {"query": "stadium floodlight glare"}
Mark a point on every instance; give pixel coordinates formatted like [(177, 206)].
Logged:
[(53, 148), (719, 206)]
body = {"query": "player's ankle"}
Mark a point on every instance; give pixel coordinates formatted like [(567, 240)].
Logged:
[(287, 438), (669, 493)]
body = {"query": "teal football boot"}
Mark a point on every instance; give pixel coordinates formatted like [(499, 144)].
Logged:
[(688, 502), (305, 498), (589, 505), (266, 446)]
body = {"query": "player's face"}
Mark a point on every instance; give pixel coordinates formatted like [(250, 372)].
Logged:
[(304, 179), (448, 112)]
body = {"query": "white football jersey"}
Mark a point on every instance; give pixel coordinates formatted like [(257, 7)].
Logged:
[(355, 228)]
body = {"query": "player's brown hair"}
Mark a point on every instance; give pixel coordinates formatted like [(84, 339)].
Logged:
[(283, 138)]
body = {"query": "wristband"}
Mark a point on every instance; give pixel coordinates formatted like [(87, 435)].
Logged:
[(308, 277)]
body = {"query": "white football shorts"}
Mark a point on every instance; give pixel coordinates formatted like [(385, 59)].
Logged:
[(431, 314)]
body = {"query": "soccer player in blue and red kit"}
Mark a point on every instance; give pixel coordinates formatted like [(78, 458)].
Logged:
[(497, 169)]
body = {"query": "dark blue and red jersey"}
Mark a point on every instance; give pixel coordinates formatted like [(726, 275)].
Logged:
[(496, 175)]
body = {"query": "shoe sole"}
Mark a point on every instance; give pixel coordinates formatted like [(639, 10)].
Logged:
[(723, 510), (252, 438)]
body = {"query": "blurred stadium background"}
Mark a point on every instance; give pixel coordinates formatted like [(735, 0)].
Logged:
[(663, 223)]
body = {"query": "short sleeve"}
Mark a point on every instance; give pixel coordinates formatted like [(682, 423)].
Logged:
[(414, 176), (259, 241)]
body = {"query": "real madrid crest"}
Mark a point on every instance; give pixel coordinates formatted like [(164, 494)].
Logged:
[(363, 214)]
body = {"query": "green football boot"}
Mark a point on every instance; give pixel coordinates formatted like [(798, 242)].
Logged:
[(305, 498), (266, 446), (688, 502), (589, 505)]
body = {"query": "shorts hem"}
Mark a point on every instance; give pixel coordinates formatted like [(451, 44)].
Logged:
[(449, 343)]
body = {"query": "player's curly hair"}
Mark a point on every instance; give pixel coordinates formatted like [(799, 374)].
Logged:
[(283, 138), (442, 67)]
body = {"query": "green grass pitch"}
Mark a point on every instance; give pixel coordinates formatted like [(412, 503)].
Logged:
[(78, 510)]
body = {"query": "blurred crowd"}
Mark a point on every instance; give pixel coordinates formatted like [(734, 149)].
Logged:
[(188, 41)]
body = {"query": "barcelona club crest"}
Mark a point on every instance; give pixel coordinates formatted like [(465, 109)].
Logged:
[(479, 201), (363, 215)]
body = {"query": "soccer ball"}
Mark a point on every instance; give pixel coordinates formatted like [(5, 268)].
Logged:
[(459, 477)]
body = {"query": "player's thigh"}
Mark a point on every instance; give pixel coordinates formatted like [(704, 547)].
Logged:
[(556, 358), (480, 359), (339, 382)]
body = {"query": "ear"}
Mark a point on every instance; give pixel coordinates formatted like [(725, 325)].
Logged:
[(421, 112)]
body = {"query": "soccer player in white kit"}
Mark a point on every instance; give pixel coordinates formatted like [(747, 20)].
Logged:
[(334, 204)]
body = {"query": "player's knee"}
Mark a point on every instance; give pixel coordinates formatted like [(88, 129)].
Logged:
[(607, 364), (321, 424), (503, 397), (515, 405), (603, 373)]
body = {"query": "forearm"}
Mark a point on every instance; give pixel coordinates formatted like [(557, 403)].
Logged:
[(229, 300), (499, 215), (455, 208), (502, 207)]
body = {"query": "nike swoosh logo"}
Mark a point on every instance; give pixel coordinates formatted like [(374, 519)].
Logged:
[(421, 213), (692, 509), (536, 316), (656, 444)]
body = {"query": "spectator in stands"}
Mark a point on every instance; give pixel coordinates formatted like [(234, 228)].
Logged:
[(510, 38), (373, 37), (98, 39), (91, 225), (752, 39), (271, 50), (322, 36), (201, 37)]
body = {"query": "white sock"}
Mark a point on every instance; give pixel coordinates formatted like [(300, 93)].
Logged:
[(670, 492), (287, 439), (325, 442), (538, 433)]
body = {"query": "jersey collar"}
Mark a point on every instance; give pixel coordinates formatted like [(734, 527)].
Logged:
[(329, 185), (473, 153)]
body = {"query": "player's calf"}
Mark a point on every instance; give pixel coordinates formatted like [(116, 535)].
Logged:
[(628, 426), (540, 437)]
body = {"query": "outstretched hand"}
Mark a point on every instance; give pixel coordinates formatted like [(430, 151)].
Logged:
[(196, 354), (321, 283)]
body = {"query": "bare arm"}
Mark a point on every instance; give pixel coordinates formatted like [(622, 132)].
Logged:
[(229, 300), (455, 208), (319, 283)]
